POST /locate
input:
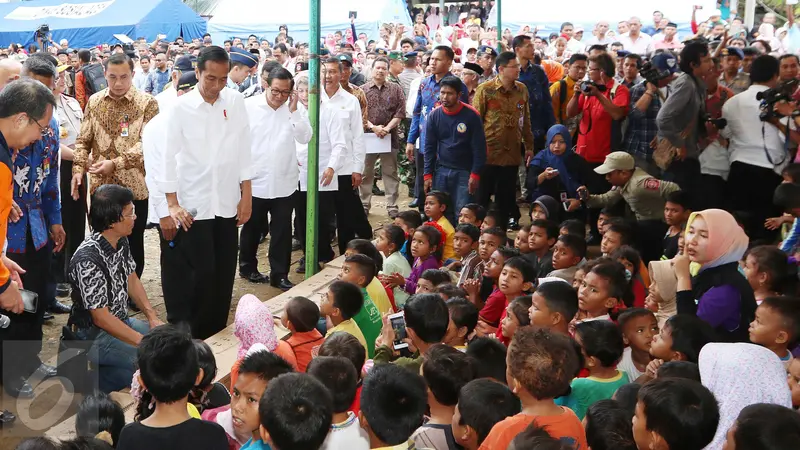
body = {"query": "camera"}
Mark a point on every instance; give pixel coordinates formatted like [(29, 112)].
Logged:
[(719, 124), (586, 86), (783, 91), (651, 74), (43, 31)]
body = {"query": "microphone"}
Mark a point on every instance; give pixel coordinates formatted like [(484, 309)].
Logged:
[(4, 321), (193, 213)]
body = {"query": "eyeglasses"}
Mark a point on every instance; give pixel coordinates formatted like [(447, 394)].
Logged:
[(281, 93), (132, 215), (46, 131)]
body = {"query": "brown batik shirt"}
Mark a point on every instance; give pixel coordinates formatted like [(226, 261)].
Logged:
[(385, 103), (362, 100)]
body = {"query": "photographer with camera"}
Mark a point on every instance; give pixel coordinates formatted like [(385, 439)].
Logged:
[(758, 154), (646, 100)]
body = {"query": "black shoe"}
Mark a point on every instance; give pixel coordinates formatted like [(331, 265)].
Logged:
[(377, 191), (59, 308), (513, 225), (301, 265), (262, 238), (48, 316), (414, 204), (45, 371), (296, 245), (63, 290), (132, 306), (19, 389), (254, 277), (282, 283), (7, 418)]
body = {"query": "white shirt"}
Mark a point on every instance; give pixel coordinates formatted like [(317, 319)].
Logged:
[(272, 138), (411, 99), (208, 153), (465, 44), (575, 46), (332, 149), (347, 111), (166, 97), (140, 78), (626, 365), (153, 142), (642, 46), (346, 435), (594, 40), (744, 131)]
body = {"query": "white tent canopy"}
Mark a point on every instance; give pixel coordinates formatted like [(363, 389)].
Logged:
[(240, 18)]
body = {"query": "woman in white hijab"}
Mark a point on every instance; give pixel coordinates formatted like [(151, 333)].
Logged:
[(740, 375)]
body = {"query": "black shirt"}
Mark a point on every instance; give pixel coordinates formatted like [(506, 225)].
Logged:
[(194, 434)]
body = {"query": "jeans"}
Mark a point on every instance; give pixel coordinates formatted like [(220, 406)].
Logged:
[(456, 183), (114, 360)]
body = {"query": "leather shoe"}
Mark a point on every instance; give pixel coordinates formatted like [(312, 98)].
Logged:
[(7, 418), (296, 245), (45, 371), (376, 191), (59, 308), (414, 203), (513, 225), (255, 277), (48, 316), (63, 289), (282, 283), (19, 389)]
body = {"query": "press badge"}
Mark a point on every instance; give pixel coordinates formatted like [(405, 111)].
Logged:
[(123, 127), (564, 197)]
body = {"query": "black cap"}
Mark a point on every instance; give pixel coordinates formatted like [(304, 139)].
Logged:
[(473, 67), (345, 58), (187, 81), (185, 63), (487, 50)]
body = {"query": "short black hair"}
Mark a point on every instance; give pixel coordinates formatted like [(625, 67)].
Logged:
[(269, 66), (445, 370), (365, 266), (365, 247), (601, 339), (608, 426), (548, 225), (436, 276), (26, 96), (463, 313), (788, 308), (683, 412), (478, 210), (681, 198), (211, 53), (536, 437), (206, 361), (624, 230), (450, 290), (265, 365), (679, 369), (84, 443), (606, 63), (483, 403), (693, 52), (519, 41), (786, 196), (636, 58), (38, 443), (767, 426), (764, 69), (497, 232), (627, 396), (347, 297), (167, 363), (393, 401), (582, 57), (84, 55), (411, 218), (690, 334), (454, 83), (507, 252), (523, 266), (470, 230), (496, 216), (428, 316), (345, 345), (339, 376), (490, 355), (751, 51), (303, 314), (108, 202), (39, 66), (575, 243), (447, 51), (542, 361), (630, 314), (99, 412), (296, 410), (574, 227), (279, 73), (504, 58), (561, 298), (519, 307), (118, 59), (395, 235), (792, 171), (629, 254)]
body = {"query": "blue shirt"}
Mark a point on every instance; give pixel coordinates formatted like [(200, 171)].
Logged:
[(455, 140), (541, 104), (427, 101), (156, 81), (36, 191), (255, 445), (642, 127)]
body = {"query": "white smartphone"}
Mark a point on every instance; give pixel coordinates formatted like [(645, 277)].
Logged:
[(398, 321)]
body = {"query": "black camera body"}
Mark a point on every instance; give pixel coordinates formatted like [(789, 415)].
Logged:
[(782, 92), (651, 74), (586, 86), (719, 124), (43, 31)]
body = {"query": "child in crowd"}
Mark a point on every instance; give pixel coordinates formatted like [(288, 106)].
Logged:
[(545, 208), (482, 403), (541, 239), (392, 406), (472, 213), (568, 252), (491, 239), (630, 259), (300, 316), (465, 244), (347, 346), (608, 426), (662, 423), (207, 394), (777, 326), (409, 221), (431, 279), (540, 366), (676, 213), (679, 369), (426, 247), (296, 412), (493, 220), (553, 306), (583, 268), (766, 269), (627, 397), (99, 413), (391, 239), (445, 371), (764, 427), (574, 227), (254, 325), (168, 368), (663, 290), (436, 205), (341, 380), (638, 326), (787, 197), (516, 317), (463, 320), (375, 290), (340, 304), (616, 235), (490, 358), (515, 278), (521, 240), (449, 290), (794, 382), (360, 270), (680, 339), (602, 346), (602, 291), (491, 276)]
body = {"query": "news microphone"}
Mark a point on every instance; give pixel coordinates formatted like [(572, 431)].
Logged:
[(193, 213)]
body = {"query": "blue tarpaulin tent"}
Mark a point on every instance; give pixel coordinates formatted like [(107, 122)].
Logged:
[(86, 23)]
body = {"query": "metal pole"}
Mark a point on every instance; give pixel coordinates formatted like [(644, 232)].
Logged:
[(499, 25), (441, 14), (312, 205), (749, 13)]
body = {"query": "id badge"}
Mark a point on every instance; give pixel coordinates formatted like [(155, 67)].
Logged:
[(123, 127), (564, 197)]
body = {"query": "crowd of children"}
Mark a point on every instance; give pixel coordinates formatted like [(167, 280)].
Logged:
[(535, 342)]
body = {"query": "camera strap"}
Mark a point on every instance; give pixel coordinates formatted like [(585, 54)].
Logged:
[(785, 143)]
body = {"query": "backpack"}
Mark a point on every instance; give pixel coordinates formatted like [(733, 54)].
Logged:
[(95, 78)]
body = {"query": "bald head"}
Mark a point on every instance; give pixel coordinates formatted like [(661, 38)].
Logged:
[(9, 71)]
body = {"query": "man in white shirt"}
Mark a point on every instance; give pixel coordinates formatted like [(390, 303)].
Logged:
[(275, 125), (182, 65), (350, 216), (636, 41), (599, 37), (206, 179), (473, 40), (140, 75)]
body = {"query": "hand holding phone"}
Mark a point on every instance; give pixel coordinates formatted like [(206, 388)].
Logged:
[(398, 321)]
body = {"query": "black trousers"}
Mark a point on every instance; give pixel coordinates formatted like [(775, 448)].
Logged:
[(713, 192), (325, 214), (21, 342), (279, 211), (197, 275), (649, 237), (750, 190), (596, 184), (73, 219), (687, 175), (502, 182), (351, 221), (136, 238), (419, 180)]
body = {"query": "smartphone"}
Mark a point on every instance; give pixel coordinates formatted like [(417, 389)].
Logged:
[(30, 300), (398, 321), (162, 36), (353, 14)]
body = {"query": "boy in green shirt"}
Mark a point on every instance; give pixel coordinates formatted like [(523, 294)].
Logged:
[(360, 270)]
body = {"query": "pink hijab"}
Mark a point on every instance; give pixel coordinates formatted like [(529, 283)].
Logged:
[(727, 242), (253, 323)]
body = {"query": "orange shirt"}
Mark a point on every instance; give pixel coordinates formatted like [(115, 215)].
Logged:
[(303, 344), (283, 350), (565, 427), (553, 69)]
